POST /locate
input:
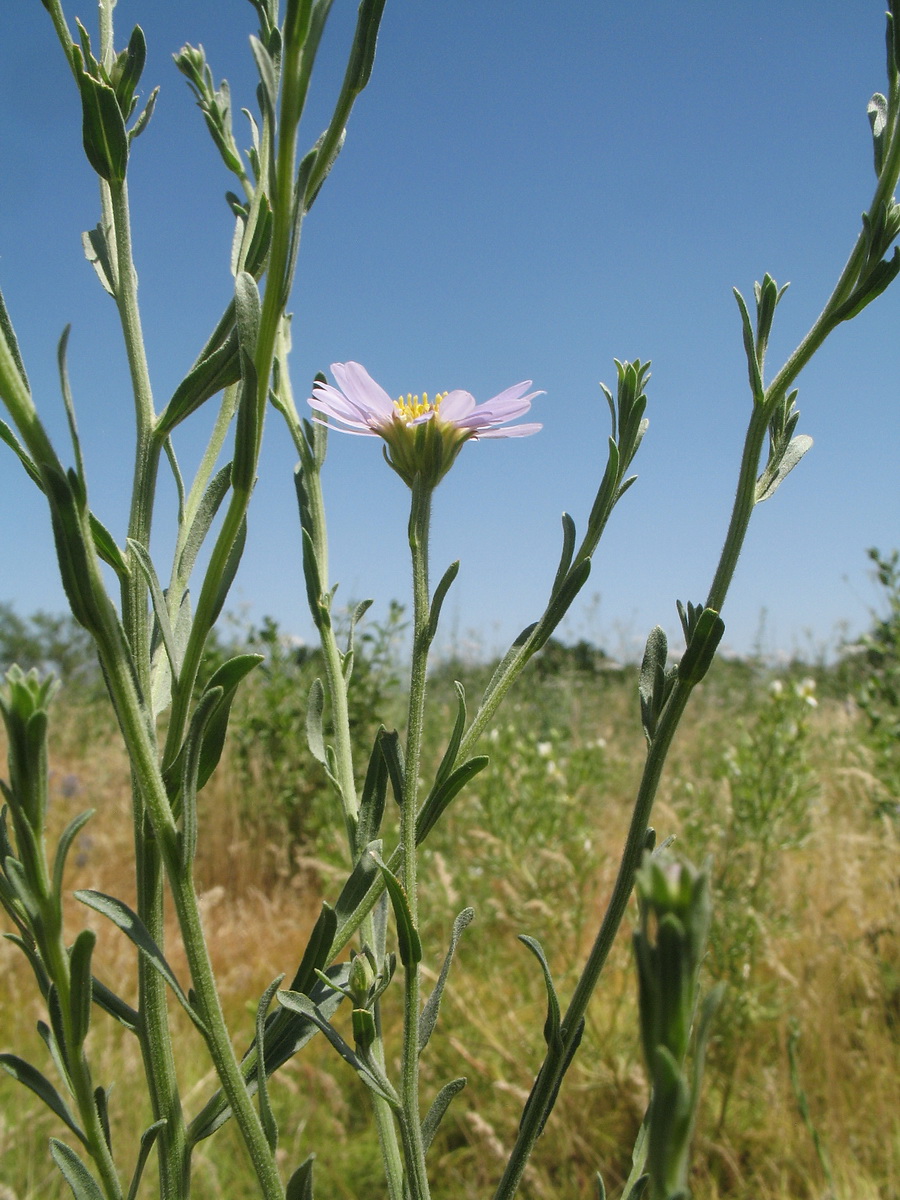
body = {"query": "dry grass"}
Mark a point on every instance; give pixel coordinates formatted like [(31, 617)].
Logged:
[(833, 966)]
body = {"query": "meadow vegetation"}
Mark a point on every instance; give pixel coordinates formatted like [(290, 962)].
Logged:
[(784, 777)]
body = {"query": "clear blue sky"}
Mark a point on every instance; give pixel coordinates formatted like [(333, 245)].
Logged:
[(528, 190)]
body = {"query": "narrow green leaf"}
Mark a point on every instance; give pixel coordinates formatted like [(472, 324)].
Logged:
[(651, 684), (101, 1102), (357, 887), (774, 475), (148, 1138), (193, 749), (218, 367), (31, 1077), (756, 383), (203, 519), (300, 1184), (103, 129), (374, 793), (63, 846), (449, 759), (80, 985), (315, 708), (552, 1023), (266, 69), (231, 565), (429, 1015), (8, 335), (409, 944), (876, 281), (84, 1186), (568, 549), (297, 1002), (393, 758), (96, 251), (438, 1108), (158, 600), (285, 1034), (437, 601), (560, 603), (115, 1006), (7, 435), (132, 62), (136, 931), (441, 795), (702, 647), (105, 545), (266, 1116)]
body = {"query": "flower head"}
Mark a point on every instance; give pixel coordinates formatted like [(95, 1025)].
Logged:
[(423, 436)]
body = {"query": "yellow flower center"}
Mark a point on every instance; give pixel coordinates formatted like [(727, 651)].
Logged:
[(412, 407)]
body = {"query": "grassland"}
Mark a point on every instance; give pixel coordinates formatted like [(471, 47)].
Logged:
[(772, 778)]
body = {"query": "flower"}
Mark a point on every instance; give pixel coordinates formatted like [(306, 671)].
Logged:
[(423, 436)]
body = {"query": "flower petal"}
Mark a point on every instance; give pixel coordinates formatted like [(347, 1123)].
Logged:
[(361, 389), (506, 432), (456, 405)]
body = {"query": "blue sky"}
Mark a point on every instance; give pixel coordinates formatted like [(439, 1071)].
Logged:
[(527, 191)]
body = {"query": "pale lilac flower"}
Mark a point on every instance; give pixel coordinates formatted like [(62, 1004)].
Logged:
[(423, 436)]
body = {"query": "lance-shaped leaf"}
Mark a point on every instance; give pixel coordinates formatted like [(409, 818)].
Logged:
[(231, 565), (136, 931), (654, 684), (107, 999), (9, 340), (568, 549), (374, 793), (158, 600), (356, 889), (449, 759), (81, 990), (96, 251), (285, 1033), (875, 282), (442, 793), (429, 1015), (84, 1186), (300, 1184), (393, 758), (701, 649), (552, 1023), (437, 601), (315, 729), (776, 472), (560, 604), (438, 1108), (32, 1078), (756, 383), (148, 1138), (203, 519), (266, 1116), (299, 1003), (218, 367), (409, 943), (63, 846)]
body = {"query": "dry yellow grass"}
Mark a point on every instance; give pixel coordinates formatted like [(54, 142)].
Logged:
[(834, 964)]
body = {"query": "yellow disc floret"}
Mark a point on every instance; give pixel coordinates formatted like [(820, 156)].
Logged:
[(411, 408)]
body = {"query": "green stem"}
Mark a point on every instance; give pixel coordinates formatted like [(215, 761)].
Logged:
[(411, 1130), (56, 961), (155, 1032), (551, 1073)]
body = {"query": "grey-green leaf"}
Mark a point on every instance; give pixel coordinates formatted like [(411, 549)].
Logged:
[(84, 1186), (136, 931), (32, 1078)]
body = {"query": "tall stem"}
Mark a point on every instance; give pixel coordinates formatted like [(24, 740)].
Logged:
[(419, 520)]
